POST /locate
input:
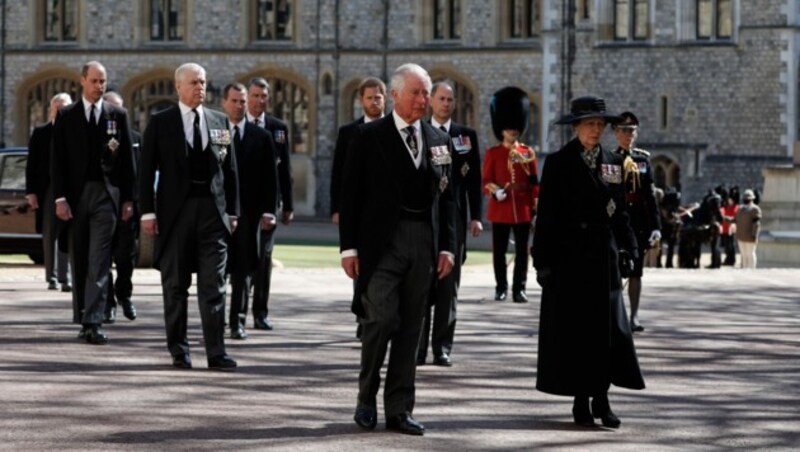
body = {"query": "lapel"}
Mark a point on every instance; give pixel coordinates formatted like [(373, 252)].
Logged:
[(212, 123)]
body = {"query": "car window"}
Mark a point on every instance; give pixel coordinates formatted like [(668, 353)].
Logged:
[(12, 174)]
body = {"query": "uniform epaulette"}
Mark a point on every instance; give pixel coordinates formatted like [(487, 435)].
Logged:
[(529, 148), (641, 151)]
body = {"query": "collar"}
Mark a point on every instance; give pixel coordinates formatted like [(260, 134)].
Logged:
[(446, 125), (241, 125), (185, 109), (261, 118), (368, 119), (401, 124), (98, 106)]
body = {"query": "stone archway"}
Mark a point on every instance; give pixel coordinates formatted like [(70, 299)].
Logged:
[(466, 93), (147, 94), (666, 171)]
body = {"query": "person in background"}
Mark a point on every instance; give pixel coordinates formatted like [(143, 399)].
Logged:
[(728, 240), (641, 202), (748, 226), (510, 178), (39, 194)]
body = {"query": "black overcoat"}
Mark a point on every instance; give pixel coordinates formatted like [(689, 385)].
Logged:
[(585, 341)]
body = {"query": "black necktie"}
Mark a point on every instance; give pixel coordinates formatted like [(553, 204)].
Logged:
[(411, 140), (237, 139), (443, 129), (92, 119), (257, 122), (197, 140)]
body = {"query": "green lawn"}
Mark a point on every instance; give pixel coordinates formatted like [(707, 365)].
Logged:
[(307, 256), (293, 256)]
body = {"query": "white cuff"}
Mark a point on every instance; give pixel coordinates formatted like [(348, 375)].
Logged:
[(148, 216), (448, 253), (60, 199), (350, 253)]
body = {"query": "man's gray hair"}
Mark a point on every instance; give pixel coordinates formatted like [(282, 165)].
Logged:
[(260, 82), (113, 97), (188, 67), (398, 80), (61, 97)]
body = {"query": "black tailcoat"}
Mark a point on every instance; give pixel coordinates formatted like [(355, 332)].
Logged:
[(165, 150), (37, 171), (371, 204), (585, 341), (280, 135), (466, 178), (339, 157)]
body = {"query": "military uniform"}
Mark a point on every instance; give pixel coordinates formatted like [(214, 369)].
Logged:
[(515, 172), (640, 199)]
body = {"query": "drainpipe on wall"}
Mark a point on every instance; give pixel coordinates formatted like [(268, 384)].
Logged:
[(385, 71), (3, 77)]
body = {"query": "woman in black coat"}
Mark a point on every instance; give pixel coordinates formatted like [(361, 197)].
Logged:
[(582, 235)]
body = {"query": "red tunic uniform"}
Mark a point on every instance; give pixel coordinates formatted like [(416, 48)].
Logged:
[(516, 172)]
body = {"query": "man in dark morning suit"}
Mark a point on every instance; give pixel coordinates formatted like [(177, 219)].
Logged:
[(93, 180), (192, 212), (125, 245), (255, 156), (39, 194), (372, 94), (257, 100), (466, 183), (396, 231)]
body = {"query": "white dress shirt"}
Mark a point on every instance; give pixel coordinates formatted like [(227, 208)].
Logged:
[(187, 115), (401, 125), (98, 107)]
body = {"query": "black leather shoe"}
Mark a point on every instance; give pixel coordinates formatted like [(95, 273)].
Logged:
[(96, 336), (128, 310), (500, 295), (636, 327), (366, 418), (520, 297), (111, 316), (82, 333), (262, 323), (404, 423), (239, 333), (66, 287), (222, 362), (182, 361), (443, 360), (580, 412), (52, 285), (602, 410)]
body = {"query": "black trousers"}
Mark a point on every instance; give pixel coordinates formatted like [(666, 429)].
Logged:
[(56, 262), (500, 235), (262, 279), (92, 228), (244, 265), (443, 303), (125, 254), (198, 244), (394, 301)]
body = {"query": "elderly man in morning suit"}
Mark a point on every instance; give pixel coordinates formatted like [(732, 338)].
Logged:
[(192, 212), (39, 194), (397, 230), (93, 183)]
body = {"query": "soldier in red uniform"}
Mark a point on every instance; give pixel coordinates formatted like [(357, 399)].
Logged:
[(510, 177)]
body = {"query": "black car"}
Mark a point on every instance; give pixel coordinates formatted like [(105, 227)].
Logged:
[(17, 220)]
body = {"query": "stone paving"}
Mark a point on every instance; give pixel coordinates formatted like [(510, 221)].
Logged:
[(721, 358)]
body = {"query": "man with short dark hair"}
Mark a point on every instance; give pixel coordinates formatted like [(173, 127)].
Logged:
[(255, 157), (466, 177), (396, 230), (93, 183), (257, 101), (125, 244)]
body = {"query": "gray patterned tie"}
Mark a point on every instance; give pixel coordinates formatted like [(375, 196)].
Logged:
[(411, 140)]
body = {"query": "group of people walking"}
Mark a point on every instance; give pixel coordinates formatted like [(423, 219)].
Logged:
[(405, 193), (179, 183)]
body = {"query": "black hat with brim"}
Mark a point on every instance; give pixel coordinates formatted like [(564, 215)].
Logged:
[(588, 107)]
